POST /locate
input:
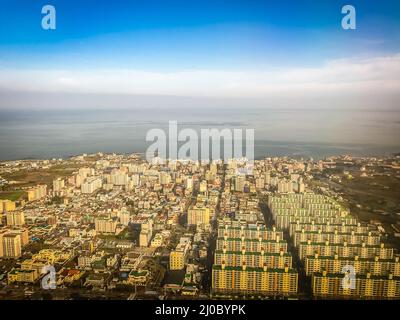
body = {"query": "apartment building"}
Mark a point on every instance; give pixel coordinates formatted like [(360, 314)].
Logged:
[(254, 280), (368, 286)]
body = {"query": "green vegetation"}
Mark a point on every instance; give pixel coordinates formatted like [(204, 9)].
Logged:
[(56, 200), (126, 234), (11, 195), (28, 178)]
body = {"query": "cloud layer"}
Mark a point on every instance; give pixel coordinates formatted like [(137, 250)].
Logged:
[(347, 78)]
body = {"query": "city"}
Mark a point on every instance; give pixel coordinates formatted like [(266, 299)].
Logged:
[(113, 226), (186, 159)]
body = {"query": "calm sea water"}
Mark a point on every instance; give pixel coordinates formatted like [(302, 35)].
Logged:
[(298, 133)]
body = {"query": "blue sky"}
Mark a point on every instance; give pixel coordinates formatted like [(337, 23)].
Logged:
[(194, 34), (185, 43)]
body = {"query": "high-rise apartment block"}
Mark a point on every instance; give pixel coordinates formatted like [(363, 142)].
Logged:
[(37, 193), (331, 243), (178, 257), (105, 225), (91, 185), (199, 215), (58, 185), (11, 245), (252, 259), (15, 218), (7, 206)]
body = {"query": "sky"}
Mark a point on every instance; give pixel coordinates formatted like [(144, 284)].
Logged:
[(261, 53)]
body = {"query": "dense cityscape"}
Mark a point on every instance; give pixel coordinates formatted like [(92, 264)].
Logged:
[(213, 159), (110, 226)]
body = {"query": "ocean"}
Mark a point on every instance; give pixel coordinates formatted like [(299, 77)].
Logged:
[(300, 133)]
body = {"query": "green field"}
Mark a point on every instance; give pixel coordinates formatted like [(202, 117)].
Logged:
[(11, 195), (29, 178)]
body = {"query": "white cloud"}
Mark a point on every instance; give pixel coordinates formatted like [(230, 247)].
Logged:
[(347, 76)]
